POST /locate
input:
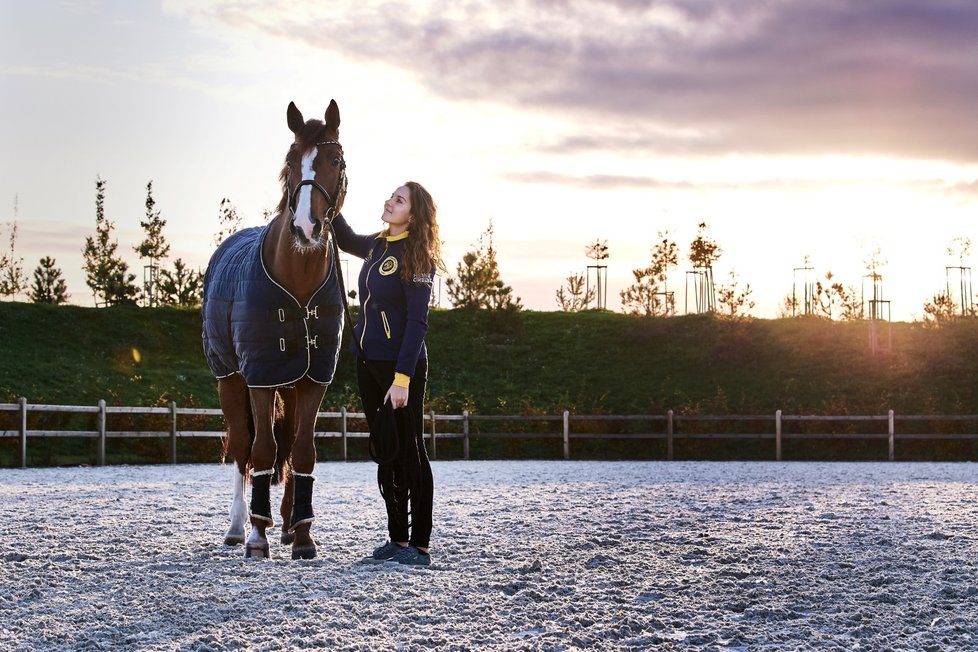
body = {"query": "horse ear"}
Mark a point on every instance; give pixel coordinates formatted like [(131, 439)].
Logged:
[(333, 116), (295, 119)]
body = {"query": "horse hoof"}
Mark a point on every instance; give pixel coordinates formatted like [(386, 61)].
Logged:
[(287, 538), (307, 551), (234, 540), (257, 551)]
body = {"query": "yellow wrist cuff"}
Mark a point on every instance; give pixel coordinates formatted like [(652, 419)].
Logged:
[(402, 380)]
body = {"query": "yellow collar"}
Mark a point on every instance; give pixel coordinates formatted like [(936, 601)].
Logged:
[(393, 238)]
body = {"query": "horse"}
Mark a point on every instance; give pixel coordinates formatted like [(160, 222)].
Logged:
[(272, 323)]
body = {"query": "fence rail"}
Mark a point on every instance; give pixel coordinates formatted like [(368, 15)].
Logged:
[(670, 427)]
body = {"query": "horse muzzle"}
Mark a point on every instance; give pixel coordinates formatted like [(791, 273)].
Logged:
[(309, 235)]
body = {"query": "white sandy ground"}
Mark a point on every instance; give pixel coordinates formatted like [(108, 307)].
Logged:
[(528, 556)]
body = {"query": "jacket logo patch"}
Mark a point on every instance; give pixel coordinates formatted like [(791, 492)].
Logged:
[(389, 266)]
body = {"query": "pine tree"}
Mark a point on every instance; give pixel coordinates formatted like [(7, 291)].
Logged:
[(477, 283), (734, 302), (154, 247), (940, 311), (49, 285), (107, 275), (181, 287), (577, 296)]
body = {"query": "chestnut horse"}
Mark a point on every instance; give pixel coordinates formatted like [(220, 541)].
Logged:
[(271, 333)]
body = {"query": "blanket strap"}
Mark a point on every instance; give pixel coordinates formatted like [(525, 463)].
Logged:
[(294, 313)]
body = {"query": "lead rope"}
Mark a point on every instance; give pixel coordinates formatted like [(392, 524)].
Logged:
[(381, 451)]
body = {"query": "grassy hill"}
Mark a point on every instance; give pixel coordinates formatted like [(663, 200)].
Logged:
[(588, 363)]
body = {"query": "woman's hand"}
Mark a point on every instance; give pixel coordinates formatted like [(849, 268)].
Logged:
[(398, 396)]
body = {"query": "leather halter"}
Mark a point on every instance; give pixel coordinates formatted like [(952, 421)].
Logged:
[(332, 201)]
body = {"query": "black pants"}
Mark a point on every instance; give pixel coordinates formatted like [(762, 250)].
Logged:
[(374, 380)]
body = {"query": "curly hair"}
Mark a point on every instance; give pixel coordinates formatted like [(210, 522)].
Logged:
[(422, 251)]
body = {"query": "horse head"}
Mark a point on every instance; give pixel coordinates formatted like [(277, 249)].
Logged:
[(314, 176)]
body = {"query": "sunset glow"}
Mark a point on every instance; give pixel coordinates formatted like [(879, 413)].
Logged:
[(796, 130)]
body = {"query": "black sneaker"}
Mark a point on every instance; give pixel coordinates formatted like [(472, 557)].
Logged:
[(410, 556), (383, 553)]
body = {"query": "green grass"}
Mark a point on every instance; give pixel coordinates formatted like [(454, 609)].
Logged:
[(588, 363)]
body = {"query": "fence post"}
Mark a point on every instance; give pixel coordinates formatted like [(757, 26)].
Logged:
[(343, 431), (891, 432), (23, 432), (669, 431), (465, 434), (777, 435), (101, 432), (434, 448), (566, 435), (173, 432)]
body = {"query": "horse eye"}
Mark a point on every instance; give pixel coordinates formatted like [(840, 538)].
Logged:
[(336, 161)]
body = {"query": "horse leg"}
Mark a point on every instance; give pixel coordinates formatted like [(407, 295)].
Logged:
[(285, 509), (285, 438), (263, 471), (233, 395), (309, 396)]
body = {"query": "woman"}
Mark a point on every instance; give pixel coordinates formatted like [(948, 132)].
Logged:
[(395, 290)]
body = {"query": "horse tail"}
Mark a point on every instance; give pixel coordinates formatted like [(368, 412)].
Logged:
[(284, 432)]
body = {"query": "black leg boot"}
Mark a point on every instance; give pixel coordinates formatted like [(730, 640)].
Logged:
[(261, 502), (261, 511), (302, 515)]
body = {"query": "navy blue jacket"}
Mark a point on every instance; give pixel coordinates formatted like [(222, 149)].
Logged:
[(393, 316), (254, 327)]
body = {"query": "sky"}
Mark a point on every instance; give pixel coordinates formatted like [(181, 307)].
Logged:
[(816, 134)]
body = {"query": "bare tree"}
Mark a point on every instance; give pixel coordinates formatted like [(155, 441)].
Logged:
[(875, 263), (828, 295), (959, 248), (13, 280), (703, 253), (852, 306), (228, 221), (646, 296), (598, 252)]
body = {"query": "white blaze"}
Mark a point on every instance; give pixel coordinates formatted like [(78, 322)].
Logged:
[(303, 206)]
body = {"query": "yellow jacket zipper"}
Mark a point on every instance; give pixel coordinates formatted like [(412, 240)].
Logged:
[(387, 326)]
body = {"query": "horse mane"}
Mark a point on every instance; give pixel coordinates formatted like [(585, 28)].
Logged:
[(314, 131)]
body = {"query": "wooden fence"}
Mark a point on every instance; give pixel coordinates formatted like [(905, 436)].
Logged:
[(773, 427)]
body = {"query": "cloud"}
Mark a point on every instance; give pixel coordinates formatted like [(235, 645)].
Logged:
[(880, 77), (792, 184)]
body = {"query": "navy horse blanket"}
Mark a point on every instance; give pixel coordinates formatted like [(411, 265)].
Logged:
[(255, 327)]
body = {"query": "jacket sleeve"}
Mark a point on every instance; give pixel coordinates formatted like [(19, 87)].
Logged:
[(418, 295), (349, 241)]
